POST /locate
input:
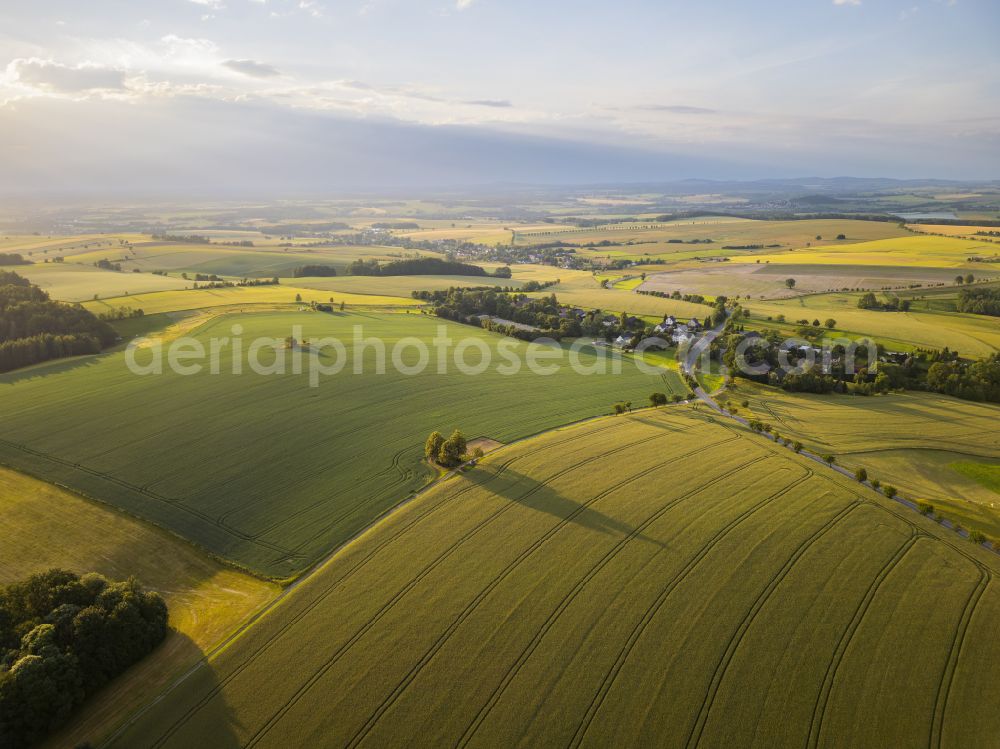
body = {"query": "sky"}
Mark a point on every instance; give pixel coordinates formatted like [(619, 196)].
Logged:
[(307, 96)]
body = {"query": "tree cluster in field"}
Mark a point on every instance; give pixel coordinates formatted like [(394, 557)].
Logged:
[(105, 264), (63, 637), (893, 304), (35, 329), (449, 452), (120, 313), (981, 301), (469, 305), (975, 381), (420, 266), (11, 258), (398, 225), (317, 271), (693, 298), (186, 238)]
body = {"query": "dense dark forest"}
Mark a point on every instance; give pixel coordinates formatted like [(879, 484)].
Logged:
[(63, 637), (34, 328)]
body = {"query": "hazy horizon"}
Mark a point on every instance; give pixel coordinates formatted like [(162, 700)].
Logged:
[(236, 97)]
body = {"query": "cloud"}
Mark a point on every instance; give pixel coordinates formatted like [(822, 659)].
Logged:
[(499, 103), (57, 77), (213, 4), (311, 7), (847, 2), (675, 109), (252, 68), (463, 4)]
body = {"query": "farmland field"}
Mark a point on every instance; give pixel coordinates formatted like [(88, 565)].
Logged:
[(266, 470), (194, 299), (723, 230), (71, 282), (45, 527), (712, 589), (766, 280), (931, 447), (968, 334), (911, 250)]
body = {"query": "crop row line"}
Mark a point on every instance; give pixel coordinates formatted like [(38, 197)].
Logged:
[(320, 598), (826, 688), (635, 635), (512, 566), (694, 736), (329, 663)]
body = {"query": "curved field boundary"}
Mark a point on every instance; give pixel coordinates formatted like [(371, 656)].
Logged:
[(329, 589), (437, 561), (446, 554)]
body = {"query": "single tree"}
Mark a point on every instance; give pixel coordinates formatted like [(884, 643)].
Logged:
[(452, 449), (830, 323), (861, 475), (432, 447), (790, 283), (890, 491)]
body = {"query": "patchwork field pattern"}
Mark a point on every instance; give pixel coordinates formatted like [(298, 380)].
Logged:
[(658, 579), (768, 281), (264, 469)]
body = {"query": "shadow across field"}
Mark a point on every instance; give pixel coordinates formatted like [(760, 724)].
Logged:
[(535, 495)]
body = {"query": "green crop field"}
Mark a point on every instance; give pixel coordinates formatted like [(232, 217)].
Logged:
[(264, 469), (71, 282), (931, 447), (45, 527), (660, 579)]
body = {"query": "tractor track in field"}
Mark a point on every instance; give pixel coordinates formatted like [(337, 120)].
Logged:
[(611, 676), (694, 736), (954, 654), (440, 559), (329, 589), (826, 688), (484, 593)]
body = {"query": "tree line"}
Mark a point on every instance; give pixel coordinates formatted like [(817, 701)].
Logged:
[(34, 328), (982, 301), (421, 266), (63, 637)]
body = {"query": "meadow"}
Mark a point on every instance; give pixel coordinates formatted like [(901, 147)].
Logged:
[(931, 447), (713, 589), (263, 469), (45, 526)]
